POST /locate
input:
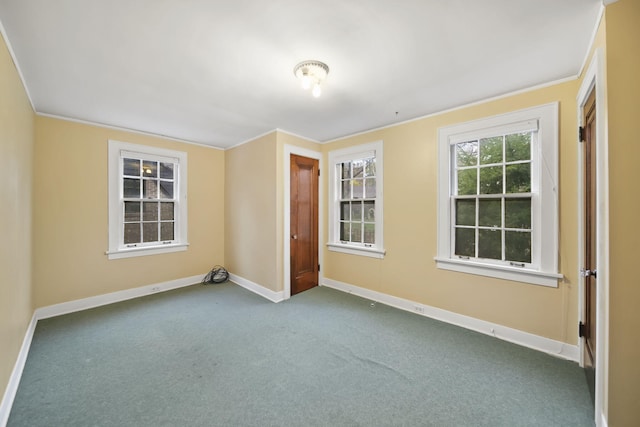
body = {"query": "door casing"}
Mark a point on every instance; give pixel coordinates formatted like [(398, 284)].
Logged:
[(594, 77)]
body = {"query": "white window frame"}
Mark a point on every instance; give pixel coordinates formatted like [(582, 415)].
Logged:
[(543, 270), (348, 154), (119, 150)]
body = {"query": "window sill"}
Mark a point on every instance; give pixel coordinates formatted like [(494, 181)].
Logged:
[(500, 272), (356, 250), (149, 250)]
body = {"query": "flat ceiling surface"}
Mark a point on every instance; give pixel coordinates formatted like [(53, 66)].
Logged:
[(221, 72)]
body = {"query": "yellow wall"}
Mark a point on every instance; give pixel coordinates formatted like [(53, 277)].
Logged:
[(623, 92), (254, 208), (250, 207), (410, 227), (16, 160), (71, 214)]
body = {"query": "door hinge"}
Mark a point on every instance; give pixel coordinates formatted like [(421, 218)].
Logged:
[(581, 133), (581, 330), (318, 267), (318, 172)]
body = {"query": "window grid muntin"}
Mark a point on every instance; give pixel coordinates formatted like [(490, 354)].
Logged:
[(348, 177), (478, 166), (153, 175)]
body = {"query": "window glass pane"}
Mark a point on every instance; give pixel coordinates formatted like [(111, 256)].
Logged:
[(356, 232), (370, 166), (150, 232), (150, 189), (346, 170), (150, 211), (149, 169), (358, 168), (131, 167), (490, 244), (166, 190), (131, 188), (518, 147), (346, 189), (370, 188), (517, 213), (467, 154), (345, 211), (369, 210), (166, 211), (358, 188), (166, 171), (517, 246), (131, 211), (491, 180), (466, 242), (345, 231), (369, 233), (132, 233), (519, 178), (166, 231), (356, 211), (467, 182), (465, 212), (491, 150), (490, 212)]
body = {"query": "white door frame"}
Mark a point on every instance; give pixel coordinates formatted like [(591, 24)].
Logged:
[(595, 77), (299, 151)]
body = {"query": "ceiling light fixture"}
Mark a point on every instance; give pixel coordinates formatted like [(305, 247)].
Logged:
[(311, 73)]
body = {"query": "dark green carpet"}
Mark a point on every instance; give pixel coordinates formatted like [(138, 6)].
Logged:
[(218, 355)]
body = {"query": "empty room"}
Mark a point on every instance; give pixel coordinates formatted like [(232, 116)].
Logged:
[(332, 213)]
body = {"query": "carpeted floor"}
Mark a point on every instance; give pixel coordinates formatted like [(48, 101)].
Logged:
[(218, 355)]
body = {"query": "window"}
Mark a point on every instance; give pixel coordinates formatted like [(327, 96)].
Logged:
[(497, 213), (147, 200), (355, 215)]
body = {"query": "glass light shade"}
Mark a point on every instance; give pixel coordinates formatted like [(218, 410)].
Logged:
[(316, 90), (306, 81)]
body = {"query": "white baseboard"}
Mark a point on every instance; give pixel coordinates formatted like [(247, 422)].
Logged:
[(257, 289), (16, 374), (70, 307), (603, 421), (110, 298), (536, 342)]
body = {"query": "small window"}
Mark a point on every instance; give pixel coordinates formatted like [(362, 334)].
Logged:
[(497, 203), (147, 200), (356, 198)]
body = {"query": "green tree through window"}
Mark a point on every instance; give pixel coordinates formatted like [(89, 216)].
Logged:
[(492, 198)]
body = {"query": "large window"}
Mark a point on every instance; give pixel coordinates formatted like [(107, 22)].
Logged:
[(147, 200), (355, 221), (498, 201)]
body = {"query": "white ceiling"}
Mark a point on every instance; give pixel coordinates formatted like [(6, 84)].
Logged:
[(221, 72)]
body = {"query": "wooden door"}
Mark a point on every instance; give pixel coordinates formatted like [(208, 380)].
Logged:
[(304, 223), (590, 268)]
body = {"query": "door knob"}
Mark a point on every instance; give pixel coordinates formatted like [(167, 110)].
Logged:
[(294, 236)]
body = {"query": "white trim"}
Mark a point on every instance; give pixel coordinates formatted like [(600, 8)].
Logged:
[(545, 204), (116, 150), (603, 421), (269, 132), (257, 289), (124, 129), (502, 272), (286, 164), (15, 63), (460, 107), (594, 33), (595, 76), (71, 307), (113, 297), (14, 380), (370, 149), (525, 339)]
